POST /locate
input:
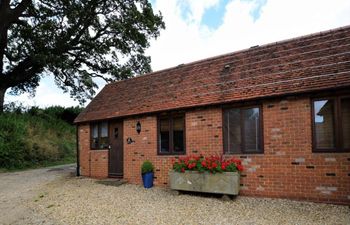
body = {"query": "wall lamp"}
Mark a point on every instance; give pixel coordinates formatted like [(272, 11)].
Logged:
[(138, 127)]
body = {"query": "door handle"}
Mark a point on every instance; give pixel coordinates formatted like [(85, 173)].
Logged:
[(109, 147)]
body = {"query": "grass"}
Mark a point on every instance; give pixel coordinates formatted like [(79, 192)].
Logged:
[(41, 165), (37, 138)]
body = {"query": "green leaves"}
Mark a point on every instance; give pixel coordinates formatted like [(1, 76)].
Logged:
[(147, 167), (37, 136), (77, 41)]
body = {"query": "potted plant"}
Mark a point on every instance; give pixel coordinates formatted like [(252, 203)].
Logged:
[(212, 174), (147, 169)]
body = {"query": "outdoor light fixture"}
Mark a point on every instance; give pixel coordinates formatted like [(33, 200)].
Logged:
[(138, 127)]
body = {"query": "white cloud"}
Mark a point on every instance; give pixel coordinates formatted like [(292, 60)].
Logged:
[(196, 8), (47, 94), (186, 39)]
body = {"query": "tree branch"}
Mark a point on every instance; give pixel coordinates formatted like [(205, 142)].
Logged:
[(3, 42), (22, 73), (16, 12), (4, 3), (7, 17), (20, 22), (92, 74)]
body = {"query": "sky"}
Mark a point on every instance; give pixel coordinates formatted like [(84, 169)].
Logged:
[(198, 29)]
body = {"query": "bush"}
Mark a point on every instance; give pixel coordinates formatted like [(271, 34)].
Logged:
[(66, 114), (147, 167), (13, 133), (34, 138)]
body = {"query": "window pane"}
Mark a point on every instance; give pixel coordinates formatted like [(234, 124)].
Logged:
[(251, 130), (233, 139), (345, 111), (94, 135), (164, 135), (178, 134), (103, 142), (94, 130), (104, 129), (324, 124), (94, 143)]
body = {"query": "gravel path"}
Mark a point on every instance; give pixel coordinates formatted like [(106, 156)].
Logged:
[(71, 200), (18, 189)]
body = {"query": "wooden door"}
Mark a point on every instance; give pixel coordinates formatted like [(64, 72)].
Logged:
[(115, 167)]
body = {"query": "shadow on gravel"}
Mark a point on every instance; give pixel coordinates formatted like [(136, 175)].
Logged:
[(111, 182), (69, 170), (55, 169), (207, 195)]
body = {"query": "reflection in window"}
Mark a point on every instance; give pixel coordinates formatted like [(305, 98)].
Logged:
[(331, 124), (251, 130), (94, 137), (99, 135), (345, 117), (242, 131), (233, 127), (178, 134), (104, 129), (164, 135), (324, 124), (171, 134)]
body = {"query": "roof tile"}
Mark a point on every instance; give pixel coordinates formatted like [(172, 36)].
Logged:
[(309, 63)]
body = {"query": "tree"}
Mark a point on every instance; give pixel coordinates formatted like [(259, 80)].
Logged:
[(75, 41)]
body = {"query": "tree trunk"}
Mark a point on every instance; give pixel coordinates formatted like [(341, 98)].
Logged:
[(2, 97)]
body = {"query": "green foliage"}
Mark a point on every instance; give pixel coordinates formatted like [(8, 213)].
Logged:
[(12, 141), (147, 167), (74, 41), (35, 137), (66, 114)]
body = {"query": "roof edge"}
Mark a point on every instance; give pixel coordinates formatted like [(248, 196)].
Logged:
[(252, 48), (304, 92)]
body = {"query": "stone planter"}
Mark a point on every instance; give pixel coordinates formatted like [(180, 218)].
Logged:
[(221, 183)]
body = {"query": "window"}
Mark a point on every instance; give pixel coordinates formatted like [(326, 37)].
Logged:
[(99, 135), (171, 134), (242, 130), (331, 124)]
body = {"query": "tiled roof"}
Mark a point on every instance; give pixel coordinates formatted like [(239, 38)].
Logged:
[(309, 63)]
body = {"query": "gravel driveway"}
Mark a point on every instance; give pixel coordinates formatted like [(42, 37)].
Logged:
[(47, 196), (19, 189)]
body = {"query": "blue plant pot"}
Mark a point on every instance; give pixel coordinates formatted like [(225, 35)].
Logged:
[(147, 179)]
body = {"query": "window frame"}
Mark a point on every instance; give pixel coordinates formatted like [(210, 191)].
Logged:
[(98, 123), (261, 129), (337, 120), (171, 117)]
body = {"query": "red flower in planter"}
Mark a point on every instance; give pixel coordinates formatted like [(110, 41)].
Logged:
[(211, 164), (240, 167), (191, 165), (223, 166)]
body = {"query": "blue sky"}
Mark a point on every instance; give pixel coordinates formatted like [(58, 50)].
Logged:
[(197, 29), (213, 16)]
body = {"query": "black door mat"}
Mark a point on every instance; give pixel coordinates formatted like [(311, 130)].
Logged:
[(111, 182)]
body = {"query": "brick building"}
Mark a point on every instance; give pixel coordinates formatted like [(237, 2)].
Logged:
[(283, 108)]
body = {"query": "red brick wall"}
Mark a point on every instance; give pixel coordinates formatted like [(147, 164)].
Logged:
[(287, 169), (93, 163), (144, 148), (203, 135), (204, 131)]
